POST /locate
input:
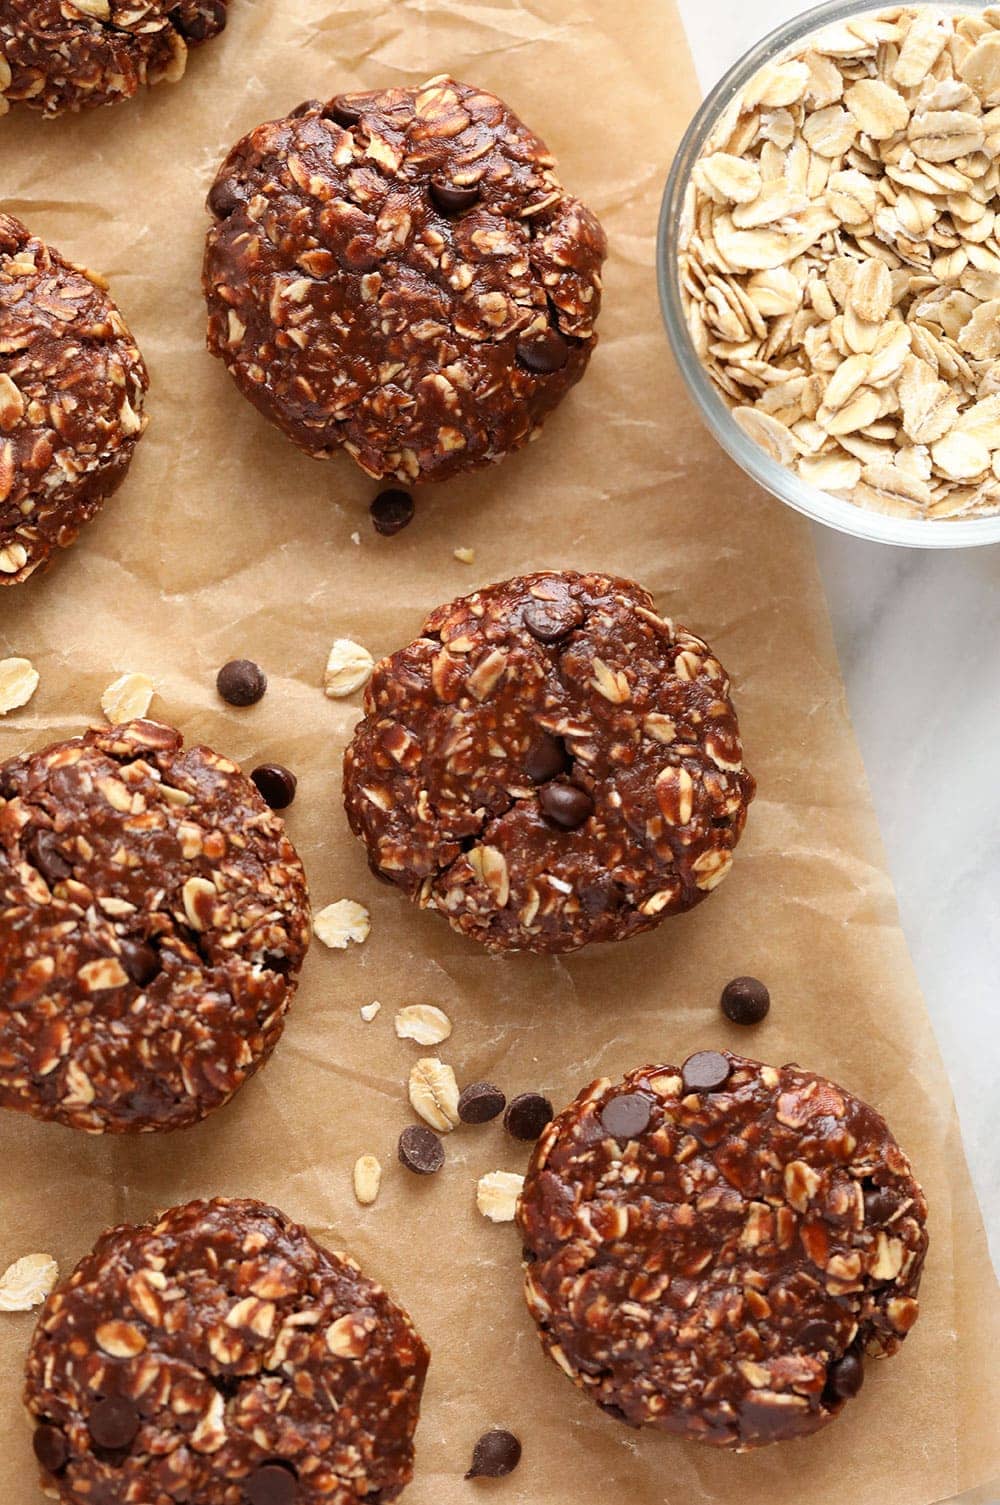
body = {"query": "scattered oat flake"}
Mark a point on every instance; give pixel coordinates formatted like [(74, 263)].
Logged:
[(369, 1010), (496, 1195), (367, 1179), (348, 667), (127, 698), (356, 538), (18, 682), (424, 1023), (27, 1282), (465, 556), (433, 1094), (342, 922)]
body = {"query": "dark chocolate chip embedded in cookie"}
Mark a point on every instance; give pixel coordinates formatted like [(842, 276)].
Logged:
[(153, 921), (72, 387), (56, 57), (550, 763), (221, 1356), (705, 1253), (401, 274)]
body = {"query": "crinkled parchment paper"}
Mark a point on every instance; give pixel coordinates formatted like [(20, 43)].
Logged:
[(226, 542)]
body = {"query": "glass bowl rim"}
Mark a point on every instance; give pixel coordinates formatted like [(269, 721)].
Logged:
[(782, 483)]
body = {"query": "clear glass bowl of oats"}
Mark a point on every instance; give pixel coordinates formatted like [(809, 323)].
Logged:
[(829, 268)]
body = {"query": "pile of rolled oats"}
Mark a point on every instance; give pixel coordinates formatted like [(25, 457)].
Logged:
[(840, 260)]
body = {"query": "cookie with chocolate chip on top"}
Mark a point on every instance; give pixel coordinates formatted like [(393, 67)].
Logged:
[(550, 763), (221, 1355), (402, 275), (153, 921), (67, 55), (716, 1249)]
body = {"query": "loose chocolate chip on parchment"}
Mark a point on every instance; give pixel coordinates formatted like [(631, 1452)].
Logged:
[(745, 1000), (627, 1116), (276, 783), (705, 1071), (113, 1422), (565, 805), (420, 1150), (480, 1102), (241, 682), (495, 1455), (453, 198), (272, 1484), (391, 511), (51, 1448), (526, 1116)]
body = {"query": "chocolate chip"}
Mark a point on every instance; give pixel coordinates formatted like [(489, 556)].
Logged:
[(420, 1150), (627, 1116), (224, 197), (452, 198), (844, 1377), (391, 511), (271, 1484), (480, 1102), (276, 783), (113, 1422), (343, 113), (745, 1000), (51, 1448), (140, 961), (526, 1115), (880, 1203), (546, 759), (42, 850), (548, 621), (817, 1335), (705, 1071), (241, 682), (565, 805), (543, 353), (495, 1455), (209, 19), (307, 107)]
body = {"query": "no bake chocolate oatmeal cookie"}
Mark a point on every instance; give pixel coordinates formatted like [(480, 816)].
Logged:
[(713, 1249), (550, 763), (58, 55), (221, 1356), (72, 387), (402, 274), (153, 921)]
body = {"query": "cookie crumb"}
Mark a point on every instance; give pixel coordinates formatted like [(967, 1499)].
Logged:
[(423, 1023), (127, 698), (434, 1093), (27, 1282), (496, 1195), (348, 667), (367, 1179), (465, 556), (18, 682), (341, 922), (369, 1010)]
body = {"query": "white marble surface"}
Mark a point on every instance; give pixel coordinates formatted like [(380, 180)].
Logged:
[(919, 641)]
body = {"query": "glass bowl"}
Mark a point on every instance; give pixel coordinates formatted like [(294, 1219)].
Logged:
[(835, 512)]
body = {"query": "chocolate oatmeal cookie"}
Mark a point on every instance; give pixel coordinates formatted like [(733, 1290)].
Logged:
[(550, 763), (72, 386), (222, 1356), (402, 274), (153, 921), (58, 55), (714, 1249)]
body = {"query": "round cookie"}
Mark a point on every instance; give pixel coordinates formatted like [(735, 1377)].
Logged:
[(550, 763), (713, 1249), (153, 921), (58, 55), (72, 386), (402, 274), (222, 1356)]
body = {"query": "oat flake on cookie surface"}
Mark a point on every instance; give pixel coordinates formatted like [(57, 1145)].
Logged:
[(840, 261)]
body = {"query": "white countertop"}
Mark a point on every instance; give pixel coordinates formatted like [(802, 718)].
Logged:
[(919, 640)]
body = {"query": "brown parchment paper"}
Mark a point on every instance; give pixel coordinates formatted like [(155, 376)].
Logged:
[(226, 542)]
